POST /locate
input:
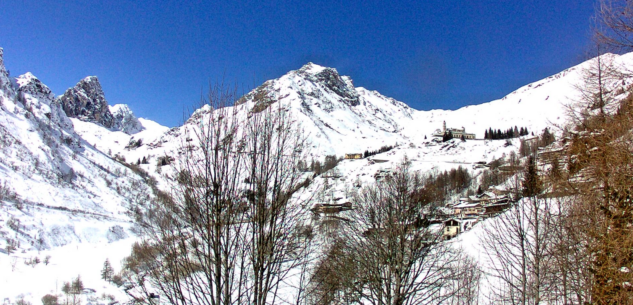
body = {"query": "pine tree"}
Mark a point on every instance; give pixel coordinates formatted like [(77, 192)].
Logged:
[(516, 132), (77, 285), (531, 182), (107, 272)]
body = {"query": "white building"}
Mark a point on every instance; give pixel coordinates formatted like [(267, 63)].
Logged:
[(457, 132)]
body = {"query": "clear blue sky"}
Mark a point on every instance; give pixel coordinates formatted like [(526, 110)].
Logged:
[(158, 56)]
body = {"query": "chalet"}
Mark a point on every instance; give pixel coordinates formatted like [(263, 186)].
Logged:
[(382, 173), (487, 198), (468, 209), (486, 204), (331, 208), (353, 156), (456, 132), (374, 161), (452, 227), (496, 208)]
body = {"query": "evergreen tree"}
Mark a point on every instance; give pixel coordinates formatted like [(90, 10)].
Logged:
[(547, 138), (447, 136), (531, 182), (107, 272)]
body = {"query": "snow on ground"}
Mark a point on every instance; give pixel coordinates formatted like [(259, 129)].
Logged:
[(81, 216), (86, 259)]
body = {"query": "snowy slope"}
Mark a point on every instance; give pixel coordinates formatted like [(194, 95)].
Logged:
[(338, 117), (71, 196), (541, 104), (56, 190)]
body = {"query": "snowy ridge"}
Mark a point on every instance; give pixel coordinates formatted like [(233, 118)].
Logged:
[(56, 190), (541, 104), (339, 117), (124, 119), (74, 197)]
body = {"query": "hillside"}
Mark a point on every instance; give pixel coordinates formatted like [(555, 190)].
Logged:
[(67, 186)]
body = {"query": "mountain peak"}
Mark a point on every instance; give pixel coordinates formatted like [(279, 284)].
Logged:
[(5, 84), (26, 78), (312, 68), (125, 120), (89, 79), (29, 83), (86, 101)]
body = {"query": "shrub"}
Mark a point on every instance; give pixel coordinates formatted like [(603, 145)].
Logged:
[(117, 280), (49, 299)]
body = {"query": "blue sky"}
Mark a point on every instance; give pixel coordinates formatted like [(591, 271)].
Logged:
[(159, 56)]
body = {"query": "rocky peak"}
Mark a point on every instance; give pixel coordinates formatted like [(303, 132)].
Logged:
[(86, 101), (5, 83), (124, 119), (30, 84), (331, 81), (40, 101), (3, 70)]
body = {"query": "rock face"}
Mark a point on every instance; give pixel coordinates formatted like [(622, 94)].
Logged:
[(331, 81), (124, 119), (339, 117), (312, 82), (86, 101), (41, 101), (5, 83)]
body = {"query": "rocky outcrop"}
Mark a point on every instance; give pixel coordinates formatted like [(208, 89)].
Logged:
[(312, 81), (124, 119), (329, 78), (5, 83), (39, 99), (86, 101)]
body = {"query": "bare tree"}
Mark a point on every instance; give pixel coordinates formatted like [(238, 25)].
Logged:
[(465, 281), (399, 257), (614, 25), (571, 264), (518, 245), (274, 148), (600, 154), (229, 233)]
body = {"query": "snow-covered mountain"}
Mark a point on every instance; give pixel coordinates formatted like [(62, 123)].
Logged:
[(56, 189), (61, 189), (124, 119), (339, 117)]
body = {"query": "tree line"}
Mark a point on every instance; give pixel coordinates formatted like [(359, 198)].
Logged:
[(510, 133), (369, 153), (234, 229), (569, 240)]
